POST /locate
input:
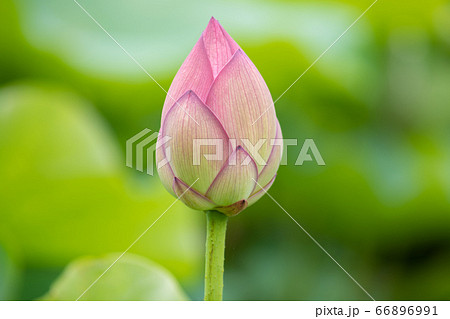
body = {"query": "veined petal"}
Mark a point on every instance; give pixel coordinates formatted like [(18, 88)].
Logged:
[(236, 179), (219, 46), (273, 162), (190, 197), (194, 74), (191, 143), (238, 97), (165, 171), (260, 193), (233, 45)]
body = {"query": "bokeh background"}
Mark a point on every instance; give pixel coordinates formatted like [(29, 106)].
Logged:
[(377, 106)]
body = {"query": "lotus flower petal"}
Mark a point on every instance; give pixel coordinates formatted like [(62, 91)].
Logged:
[(233, 45), (179, 124), (233, 209), (190, 197), (165, 172), (235, 181), (219, 46), (273, 162), (260, 193), (238, 97), (194, 74)]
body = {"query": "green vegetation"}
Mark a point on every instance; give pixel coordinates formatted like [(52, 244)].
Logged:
[(376, 105)]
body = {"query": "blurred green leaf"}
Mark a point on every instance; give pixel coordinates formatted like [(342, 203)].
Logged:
[(5, 274), (131, 278), (65, 192), (163, 40), (10, 266)]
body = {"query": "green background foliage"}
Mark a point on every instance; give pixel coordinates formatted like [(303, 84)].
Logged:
[(376, 105), (132, 278)]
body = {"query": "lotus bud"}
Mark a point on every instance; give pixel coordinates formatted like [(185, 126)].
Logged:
[(216, 96)]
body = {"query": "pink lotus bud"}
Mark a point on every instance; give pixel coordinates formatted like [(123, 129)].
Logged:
[(209, 114)]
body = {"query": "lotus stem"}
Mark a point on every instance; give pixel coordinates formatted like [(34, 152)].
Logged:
[(216, 227)]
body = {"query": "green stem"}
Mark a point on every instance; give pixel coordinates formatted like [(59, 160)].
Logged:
[(216, 227)]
